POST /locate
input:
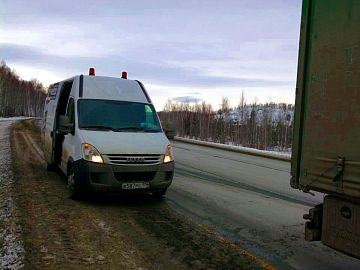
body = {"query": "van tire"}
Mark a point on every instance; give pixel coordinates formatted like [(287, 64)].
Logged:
[(159, 194), (74, 187)]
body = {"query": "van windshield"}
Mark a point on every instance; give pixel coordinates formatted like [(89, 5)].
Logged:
[(119, 116)]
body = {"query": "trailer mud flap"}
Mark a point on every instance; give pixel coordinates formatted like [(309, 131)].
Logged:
[(341, 225)]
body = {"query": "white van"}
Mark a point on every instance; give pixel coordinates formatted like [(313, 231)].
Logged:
[(105, 135)]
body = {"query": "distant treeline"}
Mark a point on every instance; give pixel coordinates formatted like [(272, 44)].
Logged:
[(262, 126), (19, 97)]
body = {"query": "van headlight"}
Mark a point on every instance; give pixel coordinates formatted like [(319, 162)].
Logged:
[(90, 153), (168, 157)]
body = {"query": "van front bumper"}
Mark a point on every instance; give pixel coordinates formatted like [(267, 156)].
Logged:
[(108, 177)]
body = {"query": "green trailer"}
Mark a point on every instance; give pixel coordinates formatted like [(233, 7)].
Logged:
[(326, 145)]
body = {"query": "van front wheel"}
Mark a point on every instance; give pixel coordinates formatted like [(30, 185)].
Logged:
[(73, 186), (159, 194)]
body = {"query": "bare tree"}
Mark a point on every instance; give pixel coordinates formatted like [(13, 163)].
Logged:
[(19, 97)]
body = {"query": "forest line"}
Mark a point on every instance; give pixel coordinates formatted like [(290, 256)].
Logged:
[(262, 126), (19, 97)]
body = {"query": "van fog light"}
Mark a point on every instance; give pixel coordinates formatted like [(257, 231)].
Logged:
[(90, 153), (168, 157)]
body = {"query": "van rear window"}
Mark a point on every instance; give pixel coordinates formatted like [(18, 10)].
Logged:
[(120, 116)]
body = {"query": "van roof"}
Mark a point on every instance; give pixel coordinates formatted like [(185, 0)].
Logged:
[(100, 87)]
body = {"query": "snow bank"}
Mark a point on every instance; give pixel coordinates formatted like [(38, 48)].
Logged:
[(240, 149), (15, 118), (11, 247)]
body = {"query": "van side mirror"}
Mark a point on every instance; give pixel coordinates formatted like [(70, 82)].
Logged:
[(170, 134), (64, 125), (169, 129)]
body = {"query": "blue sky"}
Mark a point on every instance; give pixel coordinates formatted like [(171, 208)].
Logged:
[(180, 50)]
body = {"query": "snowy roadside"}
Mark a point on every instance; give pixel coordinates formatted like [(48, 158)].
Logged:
[(15, 118), (11, 247), (239, 149)]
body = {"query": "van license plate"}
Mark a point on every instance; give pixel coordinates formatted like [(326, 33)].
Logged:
[(135, 185)]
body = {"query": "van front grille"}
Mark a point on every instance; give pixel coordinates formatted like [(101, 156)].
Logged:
[(134, 159)]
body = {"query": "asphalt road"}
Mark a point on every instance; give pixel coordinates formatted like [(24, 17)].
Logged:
[(249, 200)]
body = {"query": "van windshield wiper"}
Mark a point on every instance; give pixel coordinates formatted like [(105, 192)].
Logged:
[(99, 127), (152, 130), (137, 129), (129, 129)]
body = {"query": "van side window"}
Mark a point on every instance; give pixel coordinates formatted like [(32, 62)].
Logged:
[(70, 111), (149, 114)]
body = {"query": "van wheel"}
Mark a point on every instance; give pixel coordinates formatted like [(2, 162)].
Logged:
[(75, 192), (159, 194)]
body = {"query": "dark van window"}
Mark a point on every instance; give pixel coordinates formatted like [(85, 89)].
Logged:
[(70, 110), (117, 116)]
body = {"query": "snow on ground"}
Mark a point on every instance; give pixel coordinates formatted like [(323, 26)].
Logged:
[(271, 154), (11, 247), (15, 118)]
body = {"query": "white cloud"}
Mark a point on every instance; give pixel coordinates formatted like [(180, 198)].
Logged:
[(161, 93), (260, 60), (28, 73), (61, 39), (187, 43)]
